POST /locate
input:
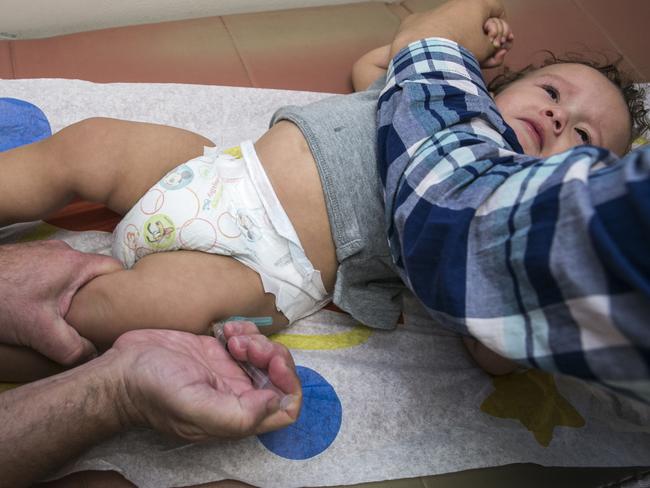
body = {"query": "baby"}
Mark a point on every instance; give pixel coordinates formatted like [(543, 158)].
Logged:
[(504, 218), (279, 227), (550, 109)]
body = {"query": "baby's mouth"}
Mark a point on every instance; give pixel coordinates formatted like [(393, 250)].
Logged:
[(535, 132)]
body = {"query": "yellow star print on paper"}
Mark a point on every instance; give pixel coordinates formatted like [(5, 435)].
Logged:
[(532, 398), (640, 141)]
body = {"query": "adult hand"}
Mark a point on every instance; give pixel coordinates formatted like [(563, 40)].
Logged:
[(37, 282), (172, 381), (191, 387), (461, 21)]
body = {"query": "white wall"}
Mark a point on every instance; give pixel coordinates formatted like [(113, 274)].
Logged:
[(20, 19)]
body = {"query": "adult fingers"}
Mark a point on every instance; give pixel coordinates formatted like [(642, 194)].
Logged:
[(258, 349), (264, 412), (63, 344), (235, 417), (240, 328), (93, 265), (88, 266), (276, 360), (279, 413)]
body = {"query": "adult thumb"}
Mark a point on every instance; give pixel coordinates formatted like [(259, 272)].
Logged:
[(94, 265), (63, 344), (90, 266)]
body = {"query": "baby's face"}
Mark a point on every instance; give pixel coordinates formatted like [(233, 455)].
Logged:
[(565, 105)]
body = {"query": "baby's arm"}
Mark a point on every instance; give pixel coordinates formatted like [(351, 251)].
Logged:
[(490, 45), (369, 67), (407, 116), (461, 21), (500, 34)]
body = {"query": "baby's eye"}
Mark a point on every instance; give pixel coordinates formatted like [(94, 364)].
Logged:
[(584, 136), (552, 92)]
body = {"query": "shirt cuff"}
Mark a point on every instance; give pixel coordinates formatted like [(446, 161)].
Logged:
[(446, 58)]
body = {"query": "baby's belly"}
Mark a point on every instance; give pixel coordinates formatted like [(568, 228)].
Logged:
[(291, 168)]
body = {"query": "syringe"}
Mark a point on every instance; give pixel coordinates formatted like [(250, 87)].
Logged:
[(259, 378)]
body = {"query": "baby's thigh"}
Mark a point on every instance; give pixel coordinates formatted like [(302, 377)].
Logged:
[(115, 162), (182, 290)]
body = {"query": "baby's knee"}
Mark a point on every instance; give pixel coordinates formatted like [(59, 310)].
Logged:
[(81, 148), (87, 133)]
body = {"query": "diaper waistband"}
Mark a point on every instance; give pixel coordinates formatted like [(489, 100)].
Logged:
[(274, 208)]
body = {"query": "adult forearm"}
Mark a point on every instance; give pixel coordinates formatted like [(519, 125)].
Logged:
[(45, 424)]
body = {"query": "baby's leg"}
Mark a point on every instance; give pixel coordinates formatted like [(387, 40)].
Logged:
[(21, 364), (102, 160), (182, 290)]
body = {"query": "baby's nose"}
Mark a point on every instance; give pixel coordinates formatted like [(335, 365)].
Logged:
[(557, 119)]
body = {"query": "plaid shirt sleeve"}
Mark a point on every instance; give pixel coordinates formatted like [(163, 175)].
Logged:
[(545, 261)]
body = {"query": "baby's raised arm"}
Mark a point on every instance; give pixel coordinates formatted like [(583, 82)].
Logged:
[(369, 67), (462, 21), (493, 42), (500, 35)]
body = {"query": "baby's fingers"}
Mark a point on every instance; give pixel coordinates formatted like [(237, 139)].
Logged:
[(496, 60), (507, 36), (494, 30), (499, 32)]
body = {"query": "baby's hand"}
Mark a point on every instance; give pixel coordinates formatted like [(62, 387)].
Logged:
[(500, 35)]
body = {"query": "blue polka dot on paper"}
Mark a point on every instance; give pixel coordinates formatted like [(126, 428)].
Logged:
[(21, 123), (318, 424)]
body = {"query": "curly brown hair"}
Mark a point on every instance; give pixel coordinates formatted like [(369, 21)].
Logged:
[(634, 96)]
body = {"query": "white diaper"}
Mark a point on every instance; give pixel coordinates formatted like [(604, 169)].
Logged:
[(223, 203)]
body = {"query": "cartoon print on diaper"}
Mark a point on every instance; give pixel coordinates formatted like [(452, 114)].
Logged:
[(152, 201), (227, 225), (159, 231), (247, 225), (211, 200), (177, 178), (236, 222), (131, 236), (205, 170)]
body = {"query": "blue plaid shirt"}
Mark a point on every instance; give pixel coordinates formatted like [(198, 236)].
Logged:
[(545, 261)]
